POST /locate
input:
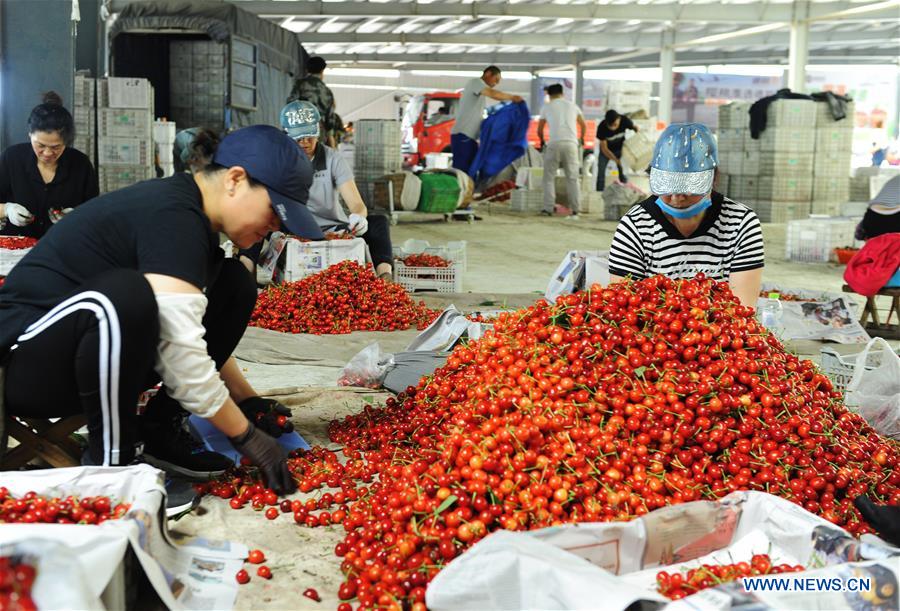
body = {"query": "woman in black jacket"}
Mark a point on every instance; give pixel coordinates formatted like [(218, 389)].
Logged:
[(44, 179)]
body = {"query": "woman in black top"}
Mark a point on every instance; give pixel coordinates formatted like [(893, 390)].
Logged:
[(44, 179), (132, 289)]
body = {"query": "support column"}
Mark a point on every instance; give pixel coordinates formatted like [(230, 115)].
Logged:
[(38, 54), (537, 93), (579, 85), (667, 80), (798, 53)]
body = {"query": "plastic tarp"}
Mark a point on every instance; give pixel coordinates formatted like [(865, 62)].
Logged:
[(219, 20), (503, 140)]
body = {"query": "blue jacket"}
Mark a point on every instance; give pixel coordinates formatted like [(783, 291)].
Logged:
[(504, 138)]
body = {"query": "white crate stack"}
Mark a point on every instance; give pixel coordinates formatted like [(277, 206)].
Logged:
[(377, 153), (198, 81), (738, 154), (84, 109), (787, 149), (164, 141), (628, 96), (834, 144), (125, 132)]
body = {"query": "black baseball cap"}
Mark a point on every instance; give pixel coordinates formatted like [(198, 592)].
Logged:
[(271, 158)]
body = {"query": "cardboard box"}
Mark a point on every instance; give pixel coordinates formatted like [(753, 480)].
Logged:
[(302, 259)]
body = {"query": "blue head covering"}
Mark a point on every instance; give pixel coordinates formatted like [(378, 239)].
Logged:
[(684, 160)]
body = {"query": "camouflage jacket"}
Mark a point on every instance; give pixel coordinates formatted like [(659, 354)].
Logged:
[(314, 90)]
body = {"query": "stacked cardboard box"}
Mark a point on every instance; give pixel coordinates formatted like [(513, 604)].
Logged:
[(124, 132), (198, 81), (377, 153), (84, 111), (834, 144)]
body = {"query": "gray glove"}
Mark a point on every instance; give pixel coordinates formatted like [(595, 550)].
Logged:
[(18, 214), (264, 414), (264, 452)]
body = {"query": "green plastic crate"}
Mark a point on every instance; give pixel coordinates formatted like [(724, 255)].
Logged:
[(440, 193)]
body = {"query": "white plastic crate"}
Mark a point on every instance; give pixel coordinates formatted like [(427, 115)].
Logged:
[(750, 163), (791, 113), (744, 188), (779, 211), (831, 189), (801, 140), (813, 240), (788, 163), (825, 119), (454, 251), (834, 140), (526, 200), (735, 114), (723, 183), (840, 367), (637, 152), (440, 279), (730, 139), (731, 162), (786, 187), (832, 165)]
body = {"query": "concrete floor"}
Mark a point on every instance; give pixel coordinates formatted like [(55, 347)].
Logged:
[(515, 253)]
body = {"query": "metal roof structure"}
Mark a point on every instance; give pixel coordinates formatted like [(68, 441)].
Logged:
[(548, 34)]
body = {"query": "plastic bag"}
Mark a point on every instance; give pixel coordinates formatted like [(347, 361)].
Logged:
[(875, 393), (367, 369)]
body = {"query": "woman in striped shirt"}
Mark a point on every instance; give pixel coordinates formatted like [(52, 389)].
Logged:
[(686, 228)]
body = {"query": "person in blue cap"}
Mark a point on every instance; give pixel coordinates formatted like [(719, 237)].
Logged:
[(686, 227), (332, 176), (131, 289)]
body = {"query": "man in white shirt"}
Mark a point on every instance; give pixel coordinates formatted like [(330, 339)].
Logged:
[(470, 114), (567, 129)]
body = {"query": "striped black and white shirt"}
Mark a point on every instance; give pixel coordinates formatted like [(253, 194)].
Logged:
[(646, 243)]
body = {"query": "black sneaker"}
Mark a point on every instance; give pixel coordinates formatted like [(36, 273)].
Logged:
[(180, 495), (545, 213), (168, 445)]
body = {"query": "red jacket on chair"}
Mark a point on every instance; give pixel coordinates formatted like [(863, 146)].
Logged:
[(871, 268)]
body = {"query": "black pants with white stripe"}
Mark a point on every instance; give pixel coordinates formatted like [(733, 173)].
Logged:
[(91, 354), (95, 352)]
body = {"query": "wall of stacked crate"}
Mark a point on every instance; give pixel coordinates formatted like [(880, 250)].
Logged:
[(800, 164), (529, 197), (164, 141), (831, 168), (628, 96), (124, 132), (198, 81), (84, 110), (377, 153)]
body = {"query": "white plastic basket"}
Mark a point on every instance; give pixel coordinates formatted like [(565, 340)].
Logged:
[(840, 367), (813, 240), (454, 251), (440, 279)]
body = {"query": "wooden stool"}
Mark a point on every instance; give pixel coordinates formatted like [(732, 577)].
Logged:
[(886, 330), (48, 440)]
